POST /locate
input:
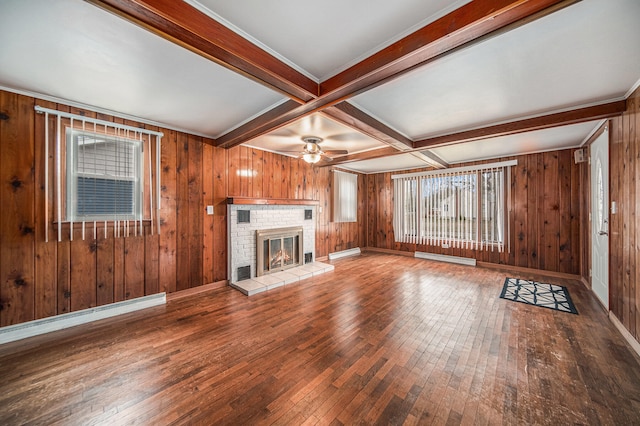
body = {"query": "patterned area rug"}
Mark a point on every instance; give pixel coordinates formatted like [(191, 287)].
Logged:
[(539, 294)]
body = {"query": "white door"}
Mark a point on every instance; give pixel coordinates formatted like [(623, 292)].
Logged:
[(600, 218)]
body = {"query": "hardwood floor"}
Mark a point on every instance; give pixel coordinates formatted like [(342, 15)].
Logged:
[(381, 340)]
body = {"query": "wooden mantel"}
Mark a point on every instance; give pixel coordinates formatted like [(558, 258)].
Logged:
[(271, 201)]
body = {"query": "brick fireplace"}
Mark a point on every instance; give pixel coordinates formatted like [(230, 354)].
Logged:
[(244, 222)]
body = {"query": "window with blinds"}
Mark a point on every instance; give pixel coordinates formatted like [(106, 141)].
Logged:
[(463, 207), (345, 197), (103, 177)]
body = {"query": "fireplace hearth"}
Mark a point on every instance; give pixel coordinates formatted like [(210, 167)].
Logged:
[(278, 249)]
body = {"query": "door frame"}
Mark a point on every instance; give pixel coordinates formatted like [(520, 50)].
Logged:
[(603, 132)]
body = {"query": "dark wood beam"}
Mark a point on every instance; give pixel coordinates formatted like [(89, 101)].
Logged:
[(465, 25), (431, 158), (470, 23), (376, 153), (183, 24), (575, 116), (580, 115), (353, 117), (263, 121)]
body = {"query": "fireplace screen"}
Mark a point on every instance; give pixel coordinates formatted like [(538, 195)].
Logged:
[(278, 249)]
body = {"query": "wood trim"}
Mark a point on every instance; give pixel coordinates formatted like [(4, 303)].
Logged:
[(465, 25), (188, 27), (635, 345), (388, 251), (196, 290), (253, 128), (376, 153), (523, 270), (574, 116), (353, 117), (596, 135), (271, 201)]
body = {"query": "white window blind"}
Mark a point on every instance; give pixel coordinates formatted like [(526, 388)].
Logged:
[(461, 207), (345, 197), (103, 177)]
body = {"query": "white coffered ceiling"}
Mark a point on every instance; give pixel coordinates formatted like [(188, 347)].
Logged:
[(586, 53)]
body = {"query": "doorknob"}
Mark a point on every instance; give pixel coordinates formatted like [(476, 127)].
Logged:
[(603, 233)]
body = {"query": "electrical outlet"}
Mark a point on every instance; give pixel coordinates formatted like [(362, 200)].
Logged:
[(209, 210), (445, 245)]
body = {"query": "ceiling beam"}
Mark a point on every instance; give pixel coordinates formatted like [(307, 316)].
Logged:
[(257, 123), (355, 118), (368, 155), (186, 26), (431, 158), (468, 24), (575, 116)]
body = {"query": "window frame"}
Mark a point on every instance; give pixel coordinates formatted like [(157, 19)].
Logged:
[(72, 136), (423, 230), (345, 199)]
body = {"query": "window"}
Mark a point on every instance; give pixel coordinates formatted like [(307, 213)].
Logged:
[(463, 207), (103, 177), (100, 177), (345, 197)]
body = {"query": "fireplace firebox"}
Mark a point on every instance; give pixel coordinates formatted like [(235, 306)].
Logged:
[(278, 249)]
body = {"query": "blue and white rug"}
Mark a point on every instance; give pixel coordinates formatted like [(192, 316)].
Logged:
[(539, 294)]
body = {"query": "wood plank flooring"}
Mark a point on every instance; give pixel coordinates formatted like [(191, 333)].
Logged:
[(381, 340)]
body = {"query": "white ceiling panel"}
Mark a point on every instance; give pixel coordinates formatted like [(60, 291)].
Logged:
[(72, 50), (322, 38), (523, 143), (80, 54), (336, 136), (396, 162), (586, 53)]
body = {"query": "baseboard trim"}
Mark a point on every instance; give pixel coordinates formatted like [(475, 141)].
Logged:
[(585, 282), (389, 251), (24, 330), (196, 290), (523, 270), (469, 261), (625, 333), (344, 253)]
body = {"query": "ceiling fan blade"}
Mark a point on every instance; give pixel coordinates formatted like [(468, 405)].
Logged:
[(336, 151)]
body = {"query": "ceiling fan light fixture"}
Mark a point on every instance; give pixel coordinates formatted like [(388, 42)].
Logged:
[(311, 157)]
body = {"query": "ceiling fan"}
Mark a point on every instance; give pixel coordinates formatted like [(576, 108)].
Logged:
[(312, 153)]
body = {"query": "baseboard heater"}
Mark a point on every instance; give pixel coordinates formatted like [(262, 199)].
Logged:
[(445, 258), (15, 332), (344, 253)]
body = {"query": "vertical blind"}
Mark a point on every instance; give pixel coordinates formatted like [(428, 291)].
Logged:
[(345, 197), (95, 182), (463, 207)]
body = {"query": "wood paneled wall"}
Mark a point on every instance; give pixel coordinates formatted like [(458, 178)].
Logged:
[(260, 174), (624, 231), (544, 217), (40, 279)]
